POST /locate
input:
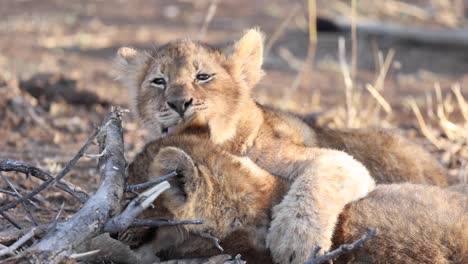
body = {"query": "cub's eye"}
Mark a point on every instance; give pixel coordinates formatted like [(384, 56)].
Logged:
[(203, 77), (158, 82)]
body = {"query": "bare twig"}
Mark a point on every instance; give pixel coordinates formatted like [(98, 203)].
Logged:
[(95, 156), (10, 235), (23, 167), (84, 254), (9, 219), (11, 193), (30, 215), (212, 238), (57, 216), (78, 155), (314, 259), (50, 180), (134, 208), (136, 187), (158, 223), (11, 249)]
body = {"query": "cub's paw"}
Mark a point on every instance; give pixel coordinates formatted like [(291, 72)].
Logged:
[(292, 240), (133, 236), (298, 226)]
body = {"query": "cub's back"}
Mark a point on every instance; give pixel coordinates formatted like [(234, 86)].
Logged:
[(416, 224)]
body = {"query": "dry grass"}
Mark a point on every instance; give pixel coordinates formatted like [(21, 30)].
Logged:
[(365, 106), (449, 136)]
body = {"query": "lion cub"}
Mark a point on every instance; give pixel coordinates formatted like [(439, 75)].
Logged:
[(416, 223), (189, 87), (186, 86)]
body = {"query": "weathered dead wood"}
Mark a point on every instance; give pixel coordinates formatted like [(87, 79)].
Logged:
[(29, 170), (58, 244), (139, 186), (317, 259), (161, 222), (11, 235), (11, 249), (9, 219), (25, 207), (134, 208)]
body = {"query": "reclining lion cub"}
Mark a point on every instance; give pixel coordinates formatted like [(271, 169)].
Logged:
[(188, 87), (416, 223)]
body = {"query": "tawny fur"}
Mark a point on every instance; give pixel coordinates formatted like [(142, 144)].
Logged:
[(233, 195), (388, 156), (223, 110), (416, 223), (280, 144), (224, 106)]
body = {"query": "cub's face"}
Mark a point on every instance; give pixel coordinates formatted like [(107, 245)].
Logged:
[(185, 83)]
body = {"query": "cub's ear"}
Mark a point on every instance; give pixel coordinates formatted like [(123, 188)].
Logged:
[(129, 68), (126, 54), (171, 159), (247, 57)]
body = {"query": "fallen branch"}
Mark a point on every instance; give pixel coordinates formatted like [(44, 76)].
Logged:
[(314, 259), (136, 187), (134, 208), (58, 244), (23, 167), (9, 219), (158, 223), (26, 208), (11, 249), (10, 235)]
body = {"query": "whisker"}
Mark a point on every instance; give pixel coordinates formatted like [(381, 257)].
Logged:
[(149, 55)]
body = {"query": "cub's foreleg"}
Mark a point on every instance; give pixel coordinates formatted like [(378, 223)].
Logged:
[(307, 215)]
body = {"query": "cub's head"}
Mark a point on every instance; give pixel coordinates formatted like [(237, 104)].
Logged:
[(212, 189), (228, 193), (186, 83)]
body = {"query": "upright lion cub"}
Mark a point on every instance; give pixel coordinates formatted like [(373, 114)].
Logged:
[(186, 86), (416, 223), (189, 87)]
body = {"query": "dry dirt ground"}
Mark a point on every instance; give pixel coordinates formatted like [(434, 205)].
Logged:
[(56, 81)]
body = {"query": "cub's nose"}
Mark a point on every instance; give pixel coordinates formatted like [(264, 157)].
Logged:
[(180, 105)]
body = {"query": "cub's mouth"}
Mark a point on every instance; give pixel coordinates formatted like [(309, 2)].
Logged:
[(178, 127), (167, 131)]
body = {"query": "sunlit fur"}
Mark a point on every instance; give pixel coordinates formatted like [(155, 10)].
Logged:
[(179, 62), (277, 142), (229, 107), (416, 223)]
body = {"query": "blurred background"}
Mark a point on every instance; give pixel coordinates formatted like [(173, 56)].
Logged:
[(356, 63)]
